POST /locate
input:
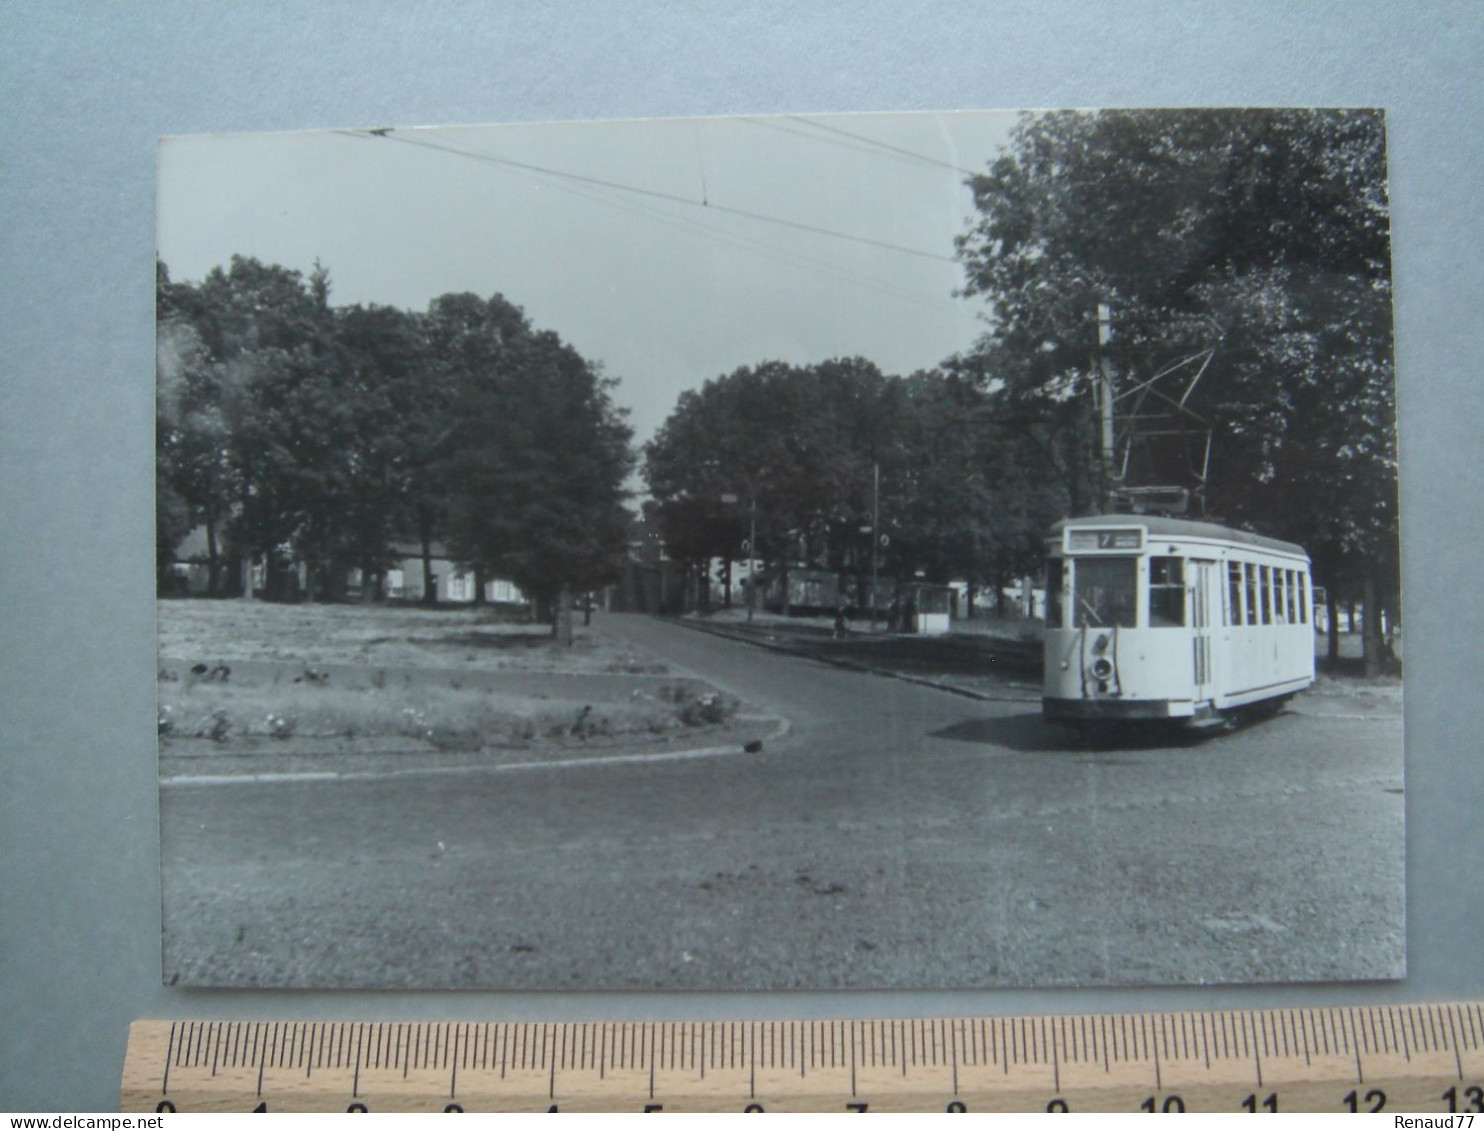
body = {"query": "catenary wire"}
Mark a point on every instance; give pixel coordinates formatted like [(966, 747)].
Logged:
[(657, 194)]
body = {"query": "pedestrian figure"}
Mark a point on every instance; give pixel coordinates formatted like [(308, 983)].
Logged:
[(839, 620), (894, 614)]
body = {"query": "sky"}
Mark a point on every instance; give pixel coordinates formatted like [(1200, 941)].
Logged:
[(672, 251)]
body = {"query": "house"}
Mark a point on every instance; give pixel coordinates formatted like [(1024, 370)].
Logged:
[(453, 583), (190, 572), (190, 575)]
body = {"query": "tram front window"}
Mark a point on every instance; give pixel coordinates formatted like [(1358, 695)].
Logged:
[(1053, 592), (1103, 592), (1166, 593)]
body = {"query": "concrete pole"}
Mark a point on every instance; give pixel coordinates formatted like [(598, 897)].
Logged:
[(875, 535), (1106, 453), (752, 556)]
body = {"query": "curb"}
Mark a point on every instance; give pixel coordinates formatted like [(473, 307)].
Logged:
[(779, 732), (773, 645)]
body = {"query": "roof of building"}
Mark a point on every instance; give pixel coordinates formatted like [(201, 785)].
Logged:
[(1160, 526)]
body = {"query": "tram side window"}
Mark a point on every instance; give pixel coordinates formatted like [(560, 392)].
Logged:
[(1265, 582), (1103, 592), (1249, 591), (1053, 592), (1280, 596), (1166, 593), (1301, 584), (1234, 593)]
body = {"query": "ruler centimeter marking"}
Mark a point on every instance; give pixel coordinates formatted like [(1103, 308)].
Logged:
[(1364, 1058)]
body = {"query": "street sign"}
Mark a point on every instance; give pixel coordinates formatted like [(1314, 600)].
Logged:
[(1407, 1058)]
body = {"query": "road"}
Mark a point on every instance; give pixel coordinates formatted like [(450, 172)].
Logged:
[(898, 836)]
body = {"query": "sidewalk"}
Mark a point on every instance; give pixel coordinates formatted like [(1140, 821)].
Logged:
[(984, 665), (978, 665)]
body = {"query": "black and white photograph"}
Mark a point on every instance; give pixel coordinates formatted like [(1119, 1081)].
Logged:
[(832, 552)]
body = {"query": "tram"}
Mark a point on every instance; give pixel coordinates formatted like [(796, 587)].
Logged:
[(1162, 618)]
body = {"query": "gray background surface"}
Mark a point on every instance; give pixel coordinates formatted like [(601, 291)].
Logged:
[(87, 88)]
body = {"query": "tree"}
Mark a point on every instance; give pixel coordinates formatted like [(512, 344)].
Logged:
[(541, 476), (194, 481), (318, 436), (841, 459), (384, 400), (537, 457), (471, 342), (1261, 234), (795, 446), (249, 350)]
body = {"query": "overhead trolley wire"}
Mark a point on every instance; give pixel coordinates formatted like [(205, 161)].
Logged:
[(657, 194), (780, 125), (695, 227), (883, 145), (782, 255)]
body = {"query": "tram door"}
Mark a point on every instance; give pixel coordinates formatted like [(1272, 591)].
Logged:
[(1204, 598)]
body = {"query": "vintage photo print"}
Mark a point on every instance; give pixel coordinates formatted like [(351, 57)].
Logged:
[(908, 551)]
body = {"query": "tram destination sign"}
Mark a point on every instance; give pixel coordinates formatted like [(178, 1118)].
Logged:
[(1113, 540)]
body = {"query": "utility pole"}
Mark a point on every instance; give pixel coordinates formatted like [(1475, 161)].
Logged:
[(752, 555), (875, 534), (730, 499), (1106, 454)]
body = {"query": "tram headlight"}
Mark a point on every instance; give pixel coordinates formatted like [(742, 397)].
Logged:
[(1102, 668)]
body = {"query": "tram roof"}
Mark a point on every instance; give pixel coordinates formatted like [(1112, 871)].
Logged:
[(1159, 526)]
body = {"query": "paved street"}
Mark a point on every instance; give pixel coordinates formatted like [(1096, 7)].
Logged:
[(898, 836)]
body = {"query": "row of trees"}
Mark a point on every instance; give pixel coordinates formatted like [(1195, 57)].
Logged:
[(294, 431), (840, 467), (1257, 241)]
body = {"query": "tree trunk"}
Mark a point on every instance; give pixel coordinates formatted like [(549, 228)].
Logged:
[(783, 583), (727, 583), (561, 620), (245, 572), (213, 558), (1333, 608), (430, 583), (479, 585), (1370, 640)]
